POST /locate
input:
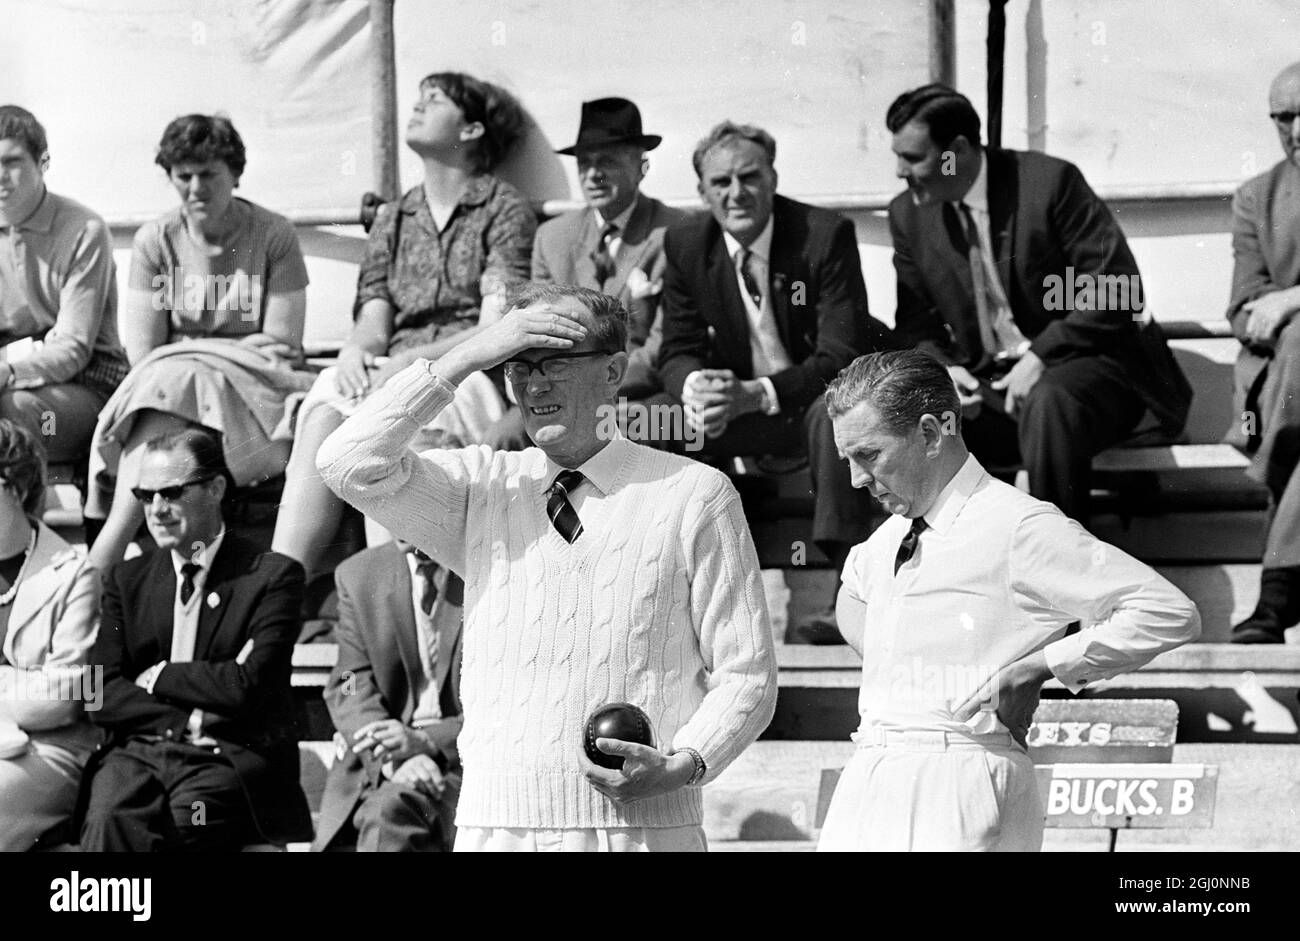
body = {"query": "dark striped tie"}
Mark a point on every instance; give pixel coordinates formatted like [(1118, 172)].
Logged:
[(907, 548), (744, 261), (563, 516), (425, 570), (601, 257), (188, 571)]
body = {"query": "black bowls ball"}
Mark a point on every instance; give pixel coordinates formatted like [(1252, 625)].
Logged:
[(620, 720)]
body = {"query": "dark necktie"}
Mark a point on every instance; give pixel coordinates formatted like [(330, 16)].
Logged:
[(979, 282), (907, 548), (603, 259), (188, 571), (425, 570), (745, 262), (559, 509)]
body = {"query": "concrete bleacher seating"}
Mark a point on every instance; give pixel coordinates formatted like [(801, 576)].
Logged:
[(1237, 709)]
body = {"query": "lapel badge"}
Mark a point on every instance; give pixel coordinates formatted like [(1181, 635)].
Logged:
[(213, 599)]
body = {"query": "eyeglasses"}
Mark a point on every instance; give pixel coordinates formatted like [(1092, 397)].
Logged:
[(169, 494), (560, 366), (1285, 118)]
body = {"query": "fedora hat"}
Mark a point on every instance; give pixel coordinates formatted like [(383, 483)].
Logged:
[(608, 121)]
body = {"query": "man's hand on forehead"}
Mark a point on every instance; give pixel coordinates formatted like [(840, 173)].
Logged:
[(542, 326)]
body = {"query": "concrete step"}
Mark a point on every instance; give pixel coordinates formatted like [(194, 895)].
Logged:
[(767, 801), (1187, 537), (763, 846)]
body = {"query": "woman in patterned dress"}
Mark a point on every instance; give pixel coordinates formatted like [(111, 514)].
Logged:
[(438, 264)]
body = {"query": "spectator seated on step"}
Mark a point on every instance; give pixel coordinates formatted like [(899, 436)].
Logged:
[(394, 698), (1263, 308), (196, 646)]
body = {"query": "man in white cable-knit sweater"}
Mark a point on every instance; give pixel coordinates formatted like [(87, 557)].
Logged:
[(636, 581)]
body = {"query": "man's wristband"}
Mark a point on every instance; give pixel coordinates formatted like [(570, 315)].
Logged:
[(700, 768)]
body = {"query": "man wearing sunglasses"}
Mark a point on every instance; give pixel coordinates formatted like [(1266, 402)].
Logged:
[(1265, 300), (196, 643), (596, 571)]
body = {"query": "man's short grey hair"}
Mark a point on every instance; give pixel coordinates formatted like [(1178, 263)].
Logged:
[(727, 131), (609, 332), (902, 385)]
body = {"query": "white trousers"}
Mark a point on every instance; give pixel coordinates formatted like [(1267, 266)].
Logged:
[(621, 840), (958, 796)]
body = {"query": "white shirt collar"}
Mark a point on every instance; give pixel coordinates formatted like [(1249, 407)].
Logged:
[(209, 553), (762, 246), (977, 197), (954, 495), (621, 219), (601, 469)]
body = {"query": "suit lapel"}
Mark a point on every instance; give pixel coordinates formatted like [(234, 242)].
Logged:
[(161, 578), (633, 244), (783, 270), (398, 589), (1002, 185), (37, 588), (966, 334), (447, 619), (218, 588), (584, 269), (729, 321)]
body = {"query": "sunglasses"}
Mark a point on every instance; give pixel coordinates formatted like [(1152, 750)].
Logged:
[(169, 494), (1285, 118), (560, 366)]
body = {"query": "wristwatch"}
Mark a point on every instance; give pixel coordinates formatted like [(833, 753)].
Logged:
[(700, 768)]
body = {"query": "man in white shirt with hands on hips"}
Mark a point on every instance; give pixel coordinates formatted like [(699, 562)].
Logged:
[(961, 605), (596, 571)]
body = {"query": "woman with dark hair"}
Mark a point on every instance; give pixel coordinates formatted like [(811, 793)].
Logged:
[(437, 267), (212, 324), (49, 603)]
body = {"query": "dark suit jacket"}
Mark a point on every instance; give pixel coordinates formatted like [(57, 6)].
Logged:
[(378, 661), (1044, 218), (562, 253), (819, 301), (257, 600)]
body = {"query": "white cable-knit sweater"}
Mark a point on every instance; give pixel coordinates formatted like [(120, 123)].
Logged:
[(659, 602)]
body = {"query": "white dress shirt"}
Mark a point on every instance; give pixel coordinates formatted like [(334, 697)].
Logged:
[(998, 575), (766, 350), (599, 473), (1009, 337), (428, 706)]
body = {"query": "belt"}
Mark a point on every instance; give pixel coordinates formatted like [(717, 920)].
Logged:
[(927, 739)]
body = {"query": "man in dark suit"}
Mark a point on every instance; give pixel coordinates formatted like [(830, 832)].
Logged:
[(1015, 275), (613, 245), (196, 642), (764, 304), (394, 698), (1263, 308)]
